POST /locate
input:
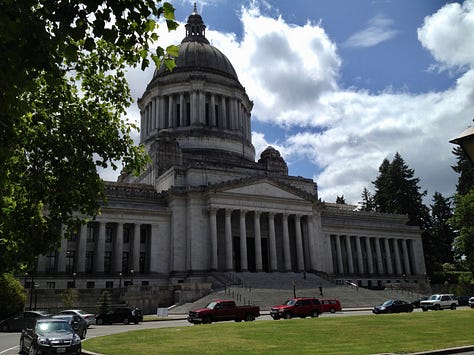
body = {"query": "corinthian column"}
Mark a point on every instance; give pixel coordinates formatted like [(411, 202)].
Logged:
[(228, 241), (299, 244), (258, 242), (243, 242), (286, 243)]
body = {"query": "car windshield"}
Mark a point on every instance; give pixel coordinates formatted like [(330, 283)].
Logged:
[(211, 305), (290, 303), (81, 312), (43, 328), (387, 303), (433, 297)]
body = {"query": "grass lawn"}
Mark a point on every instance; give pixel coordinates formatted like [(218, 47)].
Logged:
[(392, 333)]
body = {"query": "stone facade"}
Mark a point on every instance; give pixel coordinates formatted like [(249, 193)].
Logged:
[(204, 205)]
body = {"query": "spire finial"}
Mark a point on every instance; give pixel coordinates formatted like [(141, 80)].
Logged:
[(195, 8)]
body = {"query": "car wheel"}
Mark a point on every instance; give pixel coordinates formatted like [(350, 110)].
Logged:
[(99, 321), (5, 328), (206, 320), (126, 321), (288, 315), (424, 309), (249, 318), (453, 306), (437, 307), (333, 310), (314, 314)]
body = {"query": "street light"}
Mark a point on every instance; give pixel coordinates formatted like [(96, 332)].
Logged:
[(73, 280), (131, 277), (466, 141), (120, 280)]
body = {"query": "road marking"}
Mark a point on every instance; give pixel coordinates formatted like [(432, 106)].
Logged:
[(6, 350)]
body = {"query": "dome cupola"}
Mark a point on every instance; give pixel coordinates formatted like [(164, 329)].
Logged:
[(200, 104)]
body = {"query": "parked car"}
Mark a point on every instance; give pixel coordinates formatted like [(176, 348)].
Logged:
[(223, 310), (393, 306), (437, 302), (123, 315), (49, 336), (21, 321), (89, 317), (297, 307), (416, 303), (463, 300), (330, 305), (78, 323), (471, 302)]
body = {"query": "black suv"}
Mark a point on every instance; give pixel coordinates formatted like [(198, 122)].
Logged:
[(123, 315)]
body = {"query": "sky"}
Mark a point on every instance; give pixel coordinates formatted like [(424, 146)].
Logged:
[(340, 85)]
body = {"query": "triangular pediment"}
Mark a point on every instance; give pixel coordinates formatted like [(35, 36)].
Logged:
[(263, 189)]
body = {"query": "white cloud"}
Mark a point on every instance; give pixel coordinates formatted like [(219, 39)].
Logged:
[(379, 29), (346, 133), (449, 34), (291, 73)]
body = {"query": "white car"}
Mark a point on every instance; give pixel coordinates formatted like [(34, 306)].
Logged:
[(471, 302), (88, 317)]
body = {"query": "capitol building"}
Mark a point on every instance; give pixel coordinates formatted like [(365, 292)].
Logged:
[(206, 205)]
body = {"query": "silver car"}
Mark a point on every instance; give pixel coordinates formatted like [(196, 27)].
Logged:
[(88, 317)]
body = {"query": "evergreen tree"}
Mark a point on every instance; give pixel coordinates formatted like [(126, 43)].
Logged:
[(340, 200), (442, 233), (463, 216), (397, 191), (465, 169), (367, 203)]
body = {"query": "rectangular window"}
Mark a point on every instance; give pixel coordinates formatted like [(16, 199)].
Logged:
[(50, 284), (51, 261), (142, 262), (143, 235), (92, 232), (109, 233), (109, 284), (70, 260), (178, 115), (125, 256), (89, 261), (127, 230), (108, 261), (90, 284)]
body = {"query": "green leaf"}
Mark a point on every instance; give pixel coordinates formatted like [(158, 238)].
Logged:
[(168, 11), (150, 25), (172, 25), (172, 50), (169, 63)]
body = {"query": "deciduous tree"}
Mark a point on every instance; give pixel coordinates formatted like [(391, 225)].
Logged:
[(63, 94)]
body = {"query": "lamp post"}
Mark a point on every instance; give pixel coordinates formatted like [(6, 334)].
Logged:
[(73, 280), (26, 278), (131, 277), (466, 141), (120, 280)]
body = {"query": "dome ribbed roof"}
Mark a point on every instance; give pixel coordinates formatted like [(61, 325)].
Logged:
[(195, 52)]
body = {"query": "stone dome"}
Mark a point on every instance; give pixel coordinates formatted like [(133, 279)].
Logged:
[(196, 53)]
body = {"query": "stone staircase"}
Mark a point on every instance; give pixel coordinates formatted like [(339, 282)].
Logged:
[(268, 289)]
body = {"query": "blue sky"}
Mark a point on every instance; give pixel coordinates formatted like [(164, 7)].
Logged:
[(339, 85)]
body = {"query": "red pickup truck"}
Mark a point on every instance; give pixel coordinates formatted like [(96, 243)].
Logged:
[(297, 307), (221, 310)]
